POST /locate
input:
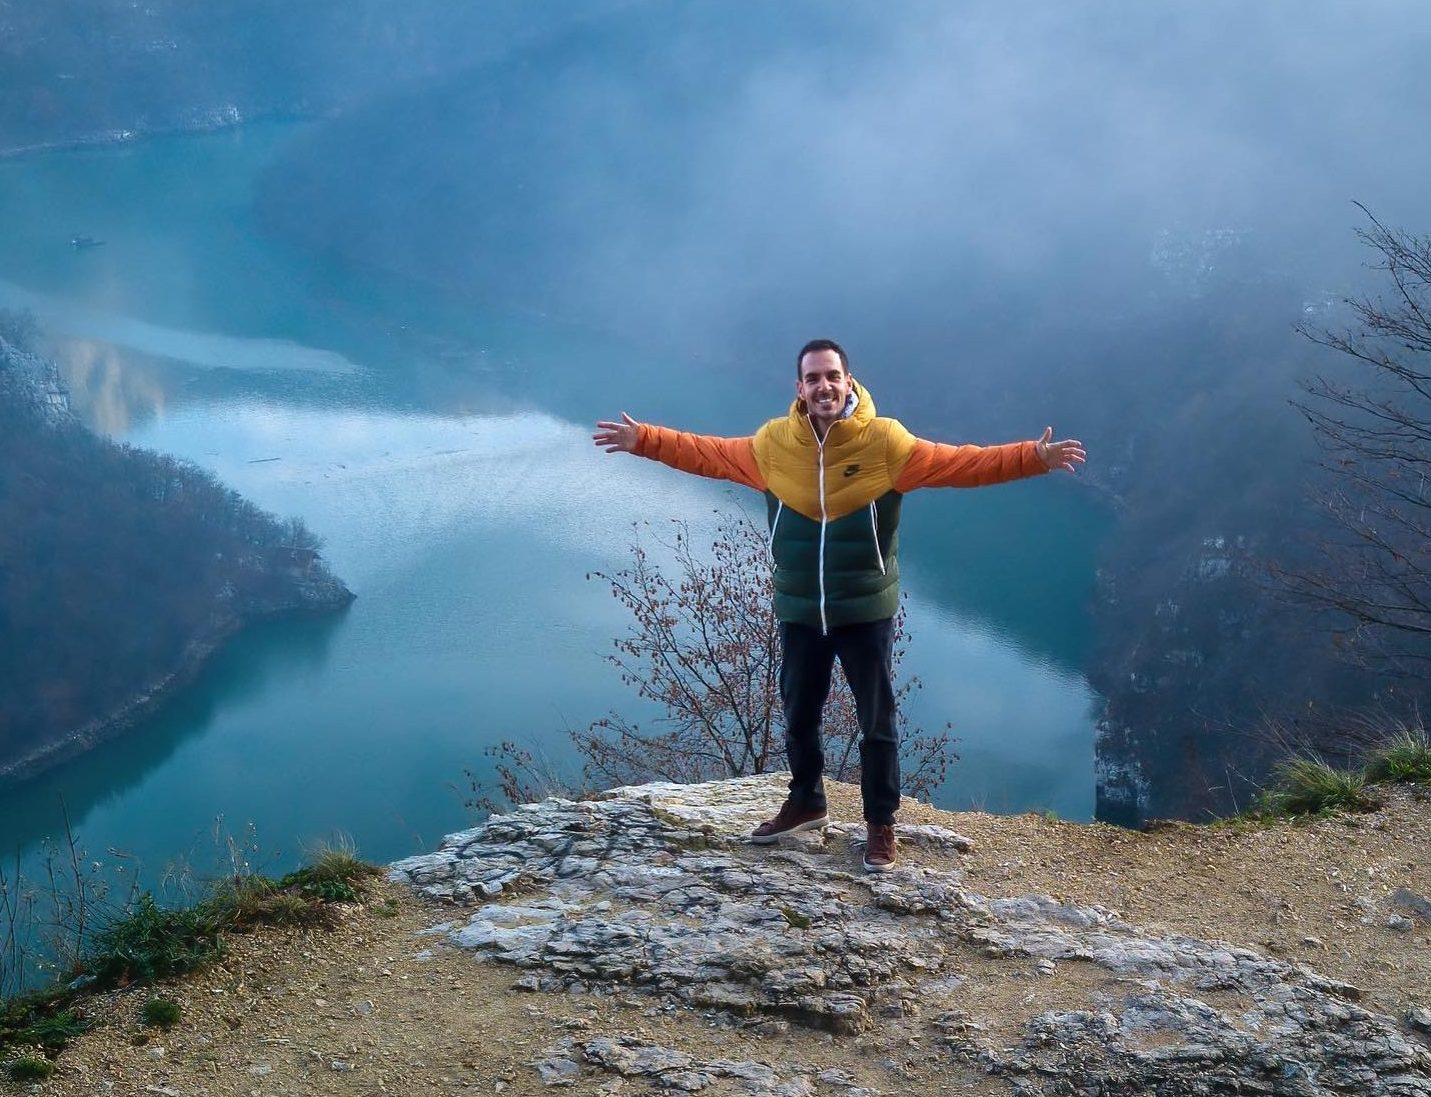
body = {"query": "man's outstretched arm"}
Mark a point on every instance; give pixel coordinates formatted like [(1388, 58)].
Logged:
[(701, 454), (936, 465)]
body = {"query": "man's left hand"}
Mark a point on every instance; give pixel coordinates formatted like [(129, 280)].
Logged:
[(1067, 454)]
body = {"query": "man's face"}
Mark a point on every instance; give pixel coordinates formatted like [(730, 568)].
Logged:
[(824, 386)]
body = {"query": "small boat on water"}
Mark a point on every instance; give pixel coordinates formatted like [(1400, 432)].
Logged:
[(78, 242)]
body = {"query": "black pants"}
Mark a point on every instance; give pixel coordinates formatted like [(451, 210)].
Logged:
[(807, 662)]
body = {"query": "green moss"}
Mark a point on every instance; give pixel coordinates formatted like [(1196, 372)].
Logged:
[(795, 918), (30, 1068), (161, 1013)]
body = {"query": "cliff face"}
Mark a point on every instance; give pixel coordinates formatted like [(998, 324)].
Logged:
[(121, 571), (1218, 680)]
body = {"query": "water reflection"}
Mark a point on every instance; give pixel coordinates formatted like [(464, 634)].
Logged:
[(203, 349), (264, 657), (1021, 723), (111, 391)]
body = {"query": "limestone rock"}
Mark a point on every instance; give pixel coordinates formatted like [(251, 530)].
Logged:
[(629, 1057), (655, 890)]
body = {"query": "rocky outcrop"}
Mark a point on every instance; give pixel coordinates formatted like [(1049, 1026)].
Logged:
[(654, 890), (33, 380)]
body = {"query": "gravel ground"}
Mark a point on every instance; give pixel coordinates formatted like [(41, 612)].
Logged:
[(378, 1007)]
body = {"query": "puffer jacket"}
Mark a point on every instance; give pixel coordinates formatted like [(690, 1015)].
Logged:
[(833, 505)]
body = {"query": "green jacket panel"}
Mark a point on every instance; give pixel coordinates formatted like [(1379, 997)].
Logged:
[(860, 562)]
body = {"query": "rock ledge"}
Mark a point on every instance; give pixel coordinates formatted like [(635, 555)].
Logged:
[(653, 890)]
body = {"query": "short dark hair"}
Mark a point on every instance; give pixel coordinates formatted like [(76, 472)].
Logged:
[(815, 345)]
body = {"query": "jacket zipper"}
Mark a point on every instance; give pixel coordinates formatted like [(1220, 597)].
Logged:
[(874, 528), (775, 525), (824, 518)]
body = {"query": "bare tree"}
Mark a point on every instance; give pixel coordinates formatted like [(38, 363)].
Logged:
[(1374, 428), (704, 645)]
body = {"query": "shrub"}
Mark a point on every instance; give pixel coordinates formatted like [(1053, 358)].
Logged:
[(152, 943), (239, 900), (30, 1068), (161, 1013), (1405, 757), (703, 645), (40, 1020), (1307, 786), (242, 902), (19, 1013), (53, 1032), (335, 875)]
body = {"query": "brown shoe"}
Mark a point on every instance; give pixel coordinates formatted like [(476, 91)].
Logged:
[(788, 820), (879, 847)]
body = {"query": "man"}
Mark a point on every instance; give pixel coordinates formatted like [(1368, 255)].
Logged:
[(834, 476)]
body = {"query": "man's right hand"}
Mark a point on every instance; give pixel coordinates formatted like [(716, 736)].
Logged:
[(617, 437)]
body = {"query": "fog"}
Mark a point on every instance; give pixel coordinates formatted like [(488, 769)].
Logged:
[(746, 176), (1043, 156)]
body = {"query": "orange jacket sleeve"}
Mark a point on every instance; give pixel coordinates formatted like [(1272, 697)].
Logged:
[(936, 465), (702, 454)]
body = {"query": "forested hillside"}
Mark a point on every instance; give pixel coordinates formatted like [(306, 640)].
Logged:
[(120, 569)]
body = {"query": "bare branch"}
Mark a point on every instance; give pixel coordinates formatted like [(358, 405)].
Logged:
[(704, 645), (1373, 570)]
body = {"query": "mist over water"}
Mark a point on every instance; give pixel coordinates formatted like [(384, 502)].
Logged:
[(209, 350), (902, 176)]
